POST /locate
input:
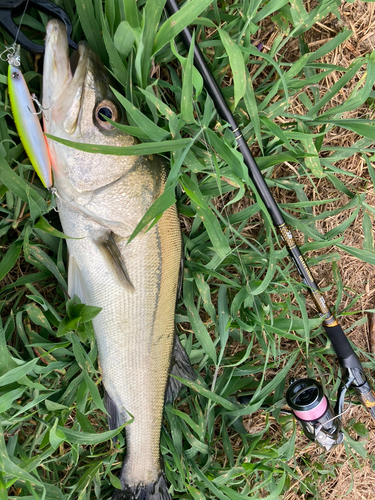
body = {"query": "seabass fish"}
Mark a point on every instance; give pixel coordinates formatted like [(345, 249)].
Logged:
[(102, 199)]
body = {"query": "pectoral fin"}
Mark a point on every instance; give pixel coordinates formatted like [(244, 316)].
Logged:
[(180, 366), (113, 255)]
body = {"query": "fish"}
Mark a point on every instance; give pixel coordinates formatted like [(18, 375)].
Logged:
[(101, 199)]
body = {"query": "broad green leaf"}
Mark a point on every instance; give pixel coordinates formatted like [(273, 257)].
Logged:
[(187, 88), (276, 131), (368, 242), (361, 254), (232, 157), (330, 46), (223, 316), (67, 325), (10, 468), (198, 387), (48, 263), (86, 438), (45, 226), (18, 186), (10, 258), (153, 214), (83, 362), (16, 374), (178, 21), (149, 127), (210, 222), (343, 226), (132, 15), (56, 436), (115, 59), (336, 87), (298, 11), (237, 65), (7, 399), (151, 18), (124, 38), (91, 28), (252, 109), (165, 111), (312, 162), (197, 324)]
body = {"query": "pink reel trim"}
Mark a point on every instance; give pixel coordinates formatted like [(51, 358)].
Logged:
[(313, 414)]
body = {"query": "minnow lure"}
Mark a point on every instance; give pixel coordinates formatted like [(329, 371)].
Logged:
[(27, 122)]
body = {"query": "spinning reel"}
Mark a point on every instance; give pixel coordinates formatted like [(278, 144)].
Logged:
[(314, 412), (310, 406), (308, 403)]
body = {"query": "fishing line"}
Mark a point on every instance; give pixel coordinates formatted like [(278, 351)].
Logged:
[(21, 21), (13, 52)]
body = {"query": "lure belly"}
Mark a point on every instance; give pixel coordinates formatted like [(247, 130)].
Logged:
[(28, 125)]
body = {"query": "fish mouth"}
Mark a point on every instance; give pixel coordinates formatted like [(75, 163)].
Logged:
[(63, 79)]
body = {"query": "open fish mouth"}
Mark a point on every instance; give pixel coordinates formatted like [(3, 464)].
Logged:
[(64, 77)]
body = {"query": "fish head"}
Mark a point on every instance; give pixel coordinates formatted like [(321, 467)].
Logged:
[(77, 97)]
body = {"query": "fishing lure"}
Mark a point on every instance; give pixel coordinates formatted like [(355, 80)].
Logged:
[(26, 119)]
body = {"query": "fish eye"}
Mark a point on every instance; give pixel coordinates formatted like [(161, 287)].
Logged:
[(105, 109)]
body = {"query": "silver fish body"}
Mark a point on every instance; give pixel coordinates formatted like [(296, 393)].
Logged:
[(101, 200)]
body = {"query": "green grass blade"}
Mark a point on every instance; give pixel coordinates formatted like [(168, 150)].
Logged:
[(178, 21), (139, 149)]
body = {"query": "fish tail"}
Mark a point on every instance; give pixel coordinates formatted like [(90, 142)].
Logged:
[(154, 491)]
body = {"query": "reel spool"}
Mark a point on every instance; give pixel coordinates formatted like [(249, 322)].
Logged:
[(314, 412)]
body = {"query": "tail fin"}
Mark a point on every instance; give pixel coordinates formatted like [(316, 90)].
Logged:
[(154, 491)]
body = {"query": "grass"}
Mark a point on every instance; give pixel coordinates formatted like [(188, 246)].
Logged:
[(243, 316)]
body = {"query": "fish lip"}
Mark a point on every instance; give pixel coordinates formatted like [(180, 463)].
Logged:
[(56, 71), (61, 84)]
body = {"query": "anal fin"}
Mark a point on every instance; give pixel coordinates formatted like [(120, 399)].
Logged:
[(181, 367), (114, 418)]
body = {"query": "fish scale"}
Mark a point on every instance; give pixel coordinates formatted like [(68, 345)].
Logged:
[(102, 198)]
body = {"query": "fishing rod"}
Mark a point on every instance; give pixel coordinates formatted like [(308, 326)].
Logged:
[(310, 406)]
